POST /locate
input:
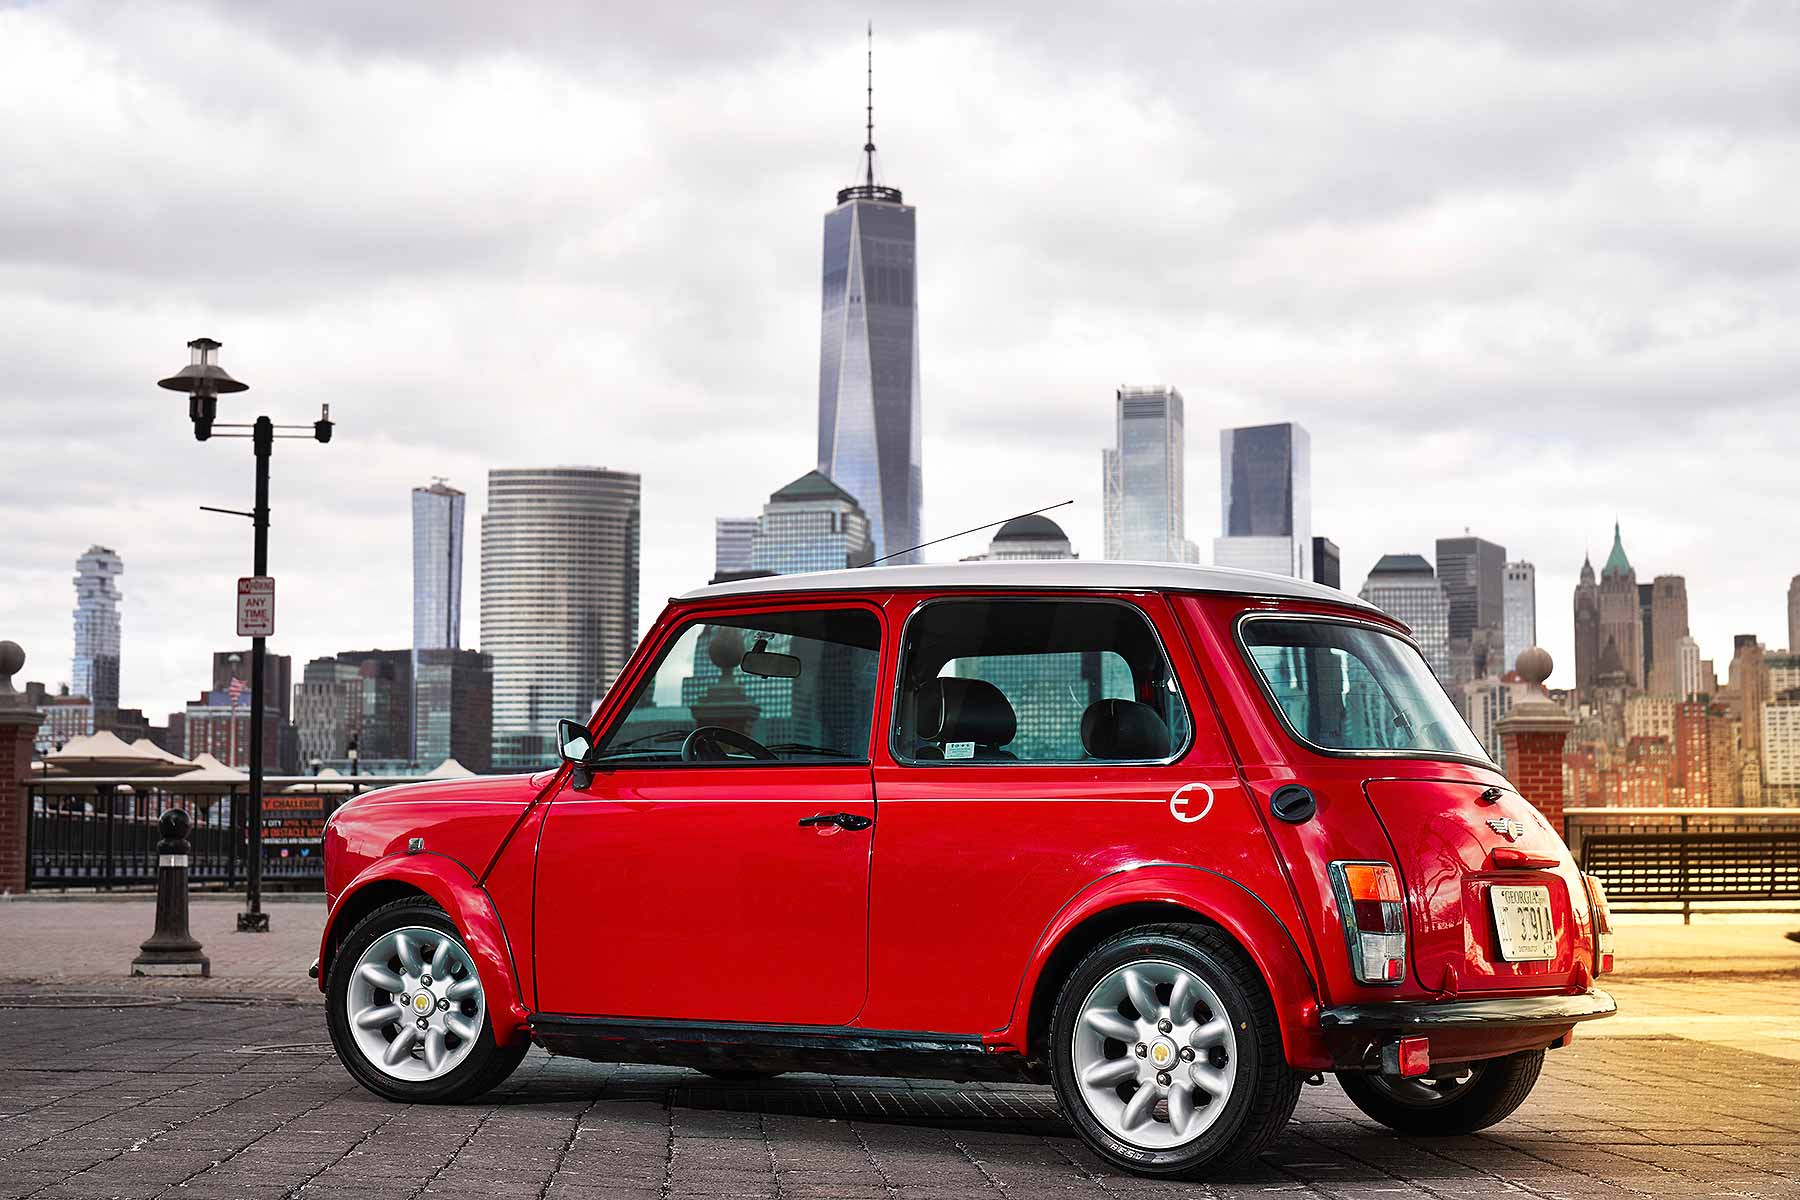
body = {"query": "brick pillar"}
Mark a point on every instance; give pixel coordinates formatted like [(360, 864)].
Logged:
[(1532, 736), (18, 729)]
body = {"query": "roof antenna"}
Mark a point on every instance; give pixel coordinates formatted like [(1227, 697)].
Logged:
[(869, 113), (934, 541)]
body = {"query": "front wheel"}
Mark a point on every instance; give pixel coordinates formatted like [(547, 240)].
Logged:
[(1461, 1101), (407, 1012), (1166, 1055)]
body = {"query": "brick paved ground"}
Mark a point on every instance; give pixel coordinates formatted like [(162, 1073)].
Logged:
[(201, 1090), (229, 1099)]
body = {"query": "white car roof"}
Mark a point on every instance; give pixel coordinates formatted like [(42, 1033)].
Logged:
[(1034, 574)]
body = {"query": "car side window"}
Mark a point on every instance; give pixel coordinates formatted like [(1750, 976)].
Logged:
[(1036, 681), (763, 688)]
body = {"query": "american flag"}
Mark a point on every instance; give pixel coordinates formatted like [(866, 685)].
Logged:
[(236, 689)]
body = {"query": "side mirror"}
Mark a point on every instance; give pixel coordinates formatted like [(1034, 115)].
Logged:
[(572, 741), (573, 744)]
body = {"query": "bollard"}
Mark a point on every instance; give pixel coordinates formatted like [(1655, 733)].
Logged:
[(171, 950)]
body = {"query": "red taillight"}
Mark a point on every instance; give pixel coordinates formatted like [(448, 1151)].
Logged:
[(1368, 896), (1603, 934)]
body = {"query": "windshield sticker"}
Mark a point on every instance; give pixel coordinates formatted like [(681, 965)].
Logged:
[(959, 749)]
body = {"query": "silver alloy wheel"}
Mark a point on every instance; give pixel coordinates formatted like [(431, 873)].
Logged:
[(1155, 1054), (414, 1003), (1424, 1092)]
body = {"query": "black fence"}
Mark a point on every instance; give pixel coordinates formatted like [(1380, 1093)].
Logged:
[(102, 833), (1690, 860)]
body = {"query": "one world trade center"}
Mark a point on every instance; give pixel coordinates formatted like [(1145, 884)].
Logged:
[(869, 442)]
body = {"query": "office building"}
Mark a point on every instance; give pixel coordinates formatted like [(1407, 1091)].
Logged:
[(1609, 613), (327, 711), (1668, 626), (437, 546), (1327, 562), (95, 670), (1143, 478), (1793, 614), (1405, 587), (1265, 499), (1518, 615), (455, 690), (559, 598), (731, 546), (1688, 670), (1471, 571), (811, 525), (869, 431), (1587, 629)]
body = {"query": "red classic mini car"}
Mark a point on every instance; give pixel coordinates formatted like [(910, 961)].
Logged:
[(1170, 839)]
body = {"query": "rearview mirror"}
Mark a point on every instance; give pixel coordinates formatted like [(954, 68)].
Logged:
[(770, 665)]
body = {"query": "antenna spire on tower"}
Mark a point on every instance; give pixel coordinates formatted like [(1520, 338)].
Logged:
[(869, 114), (868, 189)]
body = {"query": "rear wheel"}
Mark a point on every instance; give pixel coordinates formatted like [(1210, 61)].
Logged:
[(1472, 1097), (1166, 1055), (407, 1012)]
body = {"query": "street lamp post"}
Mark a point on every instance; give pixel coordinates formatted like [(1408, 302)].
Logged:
[(204, 380)]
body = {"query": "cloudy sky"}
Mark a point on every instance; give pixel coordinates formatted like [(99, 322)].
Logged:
[(1521, 268)]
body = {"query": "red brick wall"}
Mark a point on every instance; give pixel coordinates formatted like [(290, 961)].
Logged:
[(15, 763), (1534, 763)]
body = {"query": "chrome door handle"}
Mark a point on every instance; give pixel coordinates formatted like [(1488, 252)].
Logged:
[(841, 820)]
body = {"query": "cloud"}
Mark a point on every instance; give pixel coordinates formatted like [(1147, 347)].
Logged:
[(1518, 267)]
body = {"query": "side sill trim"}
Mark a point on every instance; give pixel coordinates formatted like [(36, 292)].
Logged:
[(758, 1047), (1504, 1012)]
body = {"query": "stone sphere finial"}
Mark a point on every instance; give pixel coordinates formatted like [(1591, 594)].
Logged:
[(726, 649), (1534, 665), (12, 659)]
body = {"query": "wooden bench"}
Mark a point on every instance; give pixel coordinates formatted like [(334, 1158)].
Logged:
[(1654, 872)]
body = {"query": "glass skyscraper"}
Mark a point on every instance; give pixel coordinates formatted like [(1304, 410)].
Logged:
[(1143, 478), (1406, 588), (559, 599), (1519, 612), (95, 671), (1265, 497), (437, 548), (869, 433), (731, 545)]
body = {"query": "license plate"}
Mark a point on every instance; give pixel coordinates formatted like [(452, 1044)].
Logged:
[(1527, 926)]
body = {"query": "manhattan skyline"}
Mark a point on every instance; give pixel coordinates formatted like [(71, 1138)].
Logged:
[(1526, 344)]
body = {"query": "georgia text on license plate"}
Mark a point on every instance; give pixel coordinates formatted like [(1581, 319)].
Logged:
[(1526, 925)]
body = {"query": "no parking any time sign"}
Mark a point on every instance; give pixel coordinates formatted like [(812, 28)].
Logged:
[(256, 606)]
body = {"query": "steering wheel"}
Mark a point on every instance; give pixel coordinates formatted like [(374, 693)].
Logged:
[(708, 744)]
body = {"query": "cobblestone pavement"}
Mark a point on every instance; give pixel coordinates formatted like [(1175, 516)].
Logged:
[(205, 1099)]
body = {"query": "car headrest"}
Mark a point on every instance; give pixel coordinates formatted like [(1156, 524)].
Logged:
[(1123, 729), (965, 710)]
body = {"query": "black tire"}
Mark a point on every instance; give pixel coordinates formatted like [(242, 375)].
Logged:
[(487, 1064), (1497, 1087), (737, 1074), (1264, 1089)]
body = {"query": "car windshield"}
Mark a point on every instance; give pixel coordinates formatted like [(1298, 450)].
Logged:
[(1352, 687)]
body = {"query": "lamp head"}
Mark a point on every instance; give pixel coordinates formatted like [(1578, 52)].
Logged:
[(204, 380)]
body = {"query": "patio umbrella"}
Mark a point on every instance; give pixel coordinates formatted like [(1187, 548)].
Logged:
[(314, 786), (106, 754), (208, 769), (449, 769), (151, 748)]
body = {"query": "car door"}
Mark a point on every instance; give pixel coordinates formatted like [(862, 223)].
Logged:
[(999, 809), (715, 886)]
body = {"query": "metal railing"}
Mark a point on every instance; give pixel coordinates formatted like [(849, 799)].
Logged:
[(1688, 860), (102, 833)]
